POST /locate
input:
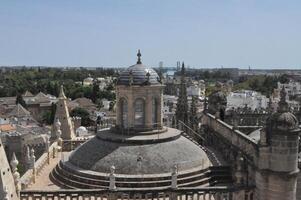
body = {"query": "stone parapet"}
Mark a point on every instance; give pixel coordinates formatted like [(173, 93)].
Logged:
[(229, 193)]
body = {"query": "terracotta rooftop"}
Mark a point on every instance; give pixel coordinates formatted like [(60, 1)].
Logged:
[(7, 128)]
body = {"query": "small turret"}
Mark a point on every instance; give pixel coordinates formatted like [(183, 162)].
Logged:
[(278, 155)]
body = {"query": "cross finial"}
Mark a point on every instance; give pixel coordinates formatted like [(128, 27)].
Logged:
[(139, 57)]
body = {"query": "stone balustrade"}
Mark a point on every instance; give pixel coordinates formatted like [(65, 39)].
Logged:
[(206, 193), (29, 176), (70, 145)]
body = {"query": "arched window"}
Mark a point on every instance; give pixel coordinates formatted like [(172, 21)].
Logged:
[(139, 112), (155, 112), (124, 113)]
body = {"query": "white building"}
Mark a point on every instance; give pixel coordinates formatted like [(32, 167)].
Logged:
[(252, 99), (292, 88)]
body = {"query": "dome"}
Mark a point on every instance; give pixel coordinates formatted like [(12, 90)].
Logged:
[(81, 130), (140, 161), (133, 158), (285, 121), (138, 74)]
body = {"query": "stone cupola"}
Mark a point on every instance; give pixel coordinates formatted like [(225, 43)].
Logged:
[(139, 94)]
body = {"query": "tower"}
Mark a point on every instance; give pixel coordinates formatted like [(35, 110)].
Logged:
[(62, 114), (276, 176), (139, 97), (182, 103)]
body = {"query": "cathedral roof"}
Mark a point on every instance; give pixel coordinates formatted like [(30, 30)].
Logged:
[(138, 74), (99, 154)]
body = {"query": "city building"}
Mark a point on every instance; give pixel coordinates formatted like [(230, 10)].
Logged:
[(140, 158)]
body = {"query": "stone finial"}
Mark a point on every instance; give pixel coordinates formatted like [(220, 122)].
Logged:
[(283, 105), (57, 124), (14, 162), (5, 194), (112, 185), (47, 144), (174, 177), (16, 175), (32, 158), (147, 75), (58, 128), (62, 93), (139, 57), (263, 137)]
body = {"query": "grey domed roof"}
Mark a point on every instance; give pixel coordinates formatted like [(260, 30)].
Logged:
[(282, 121), (156, 158), (138, 74)]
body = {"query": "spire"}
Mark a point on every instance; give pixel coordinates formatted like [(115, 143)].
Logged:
[(270, 105), (282, 105), (139, 57), (183, 69), (62, 93), (62, 113), (182, 102)]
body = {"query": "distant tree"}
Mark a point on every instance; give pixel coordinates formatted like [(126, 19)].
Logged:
[(284, 78), (95, 92), (83, 113), (20, 100), (48, 116)]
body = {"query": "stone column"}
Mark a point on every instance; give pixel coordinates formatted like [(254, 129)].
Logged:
[(160, 106), (174, 177), (131, 110), (33, 160), (27, 158), (148, 112), (47, 144)]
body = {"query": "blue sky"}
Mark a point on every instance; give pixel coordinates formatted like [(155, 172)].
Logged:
[(203, 33)]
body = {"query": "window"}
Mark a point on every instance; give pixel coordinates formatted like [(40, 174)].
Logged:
[(155, 112), (139, 112), (124, 113)]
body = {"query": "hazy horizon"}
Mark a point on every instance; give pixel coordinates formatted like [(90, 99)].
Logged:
[(205, 34)]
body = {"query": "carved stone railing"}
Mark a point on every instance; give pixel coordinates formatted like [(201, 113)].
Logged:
[(206, 193), (70, 145), (29, 176), (234, 137)]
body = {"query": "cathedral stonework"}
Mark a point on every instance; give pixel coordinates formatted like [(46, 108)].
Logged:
[(62, 115)]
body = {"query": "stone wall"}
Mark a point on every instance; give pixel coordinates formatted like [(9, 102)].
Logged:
[(236, 138)]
